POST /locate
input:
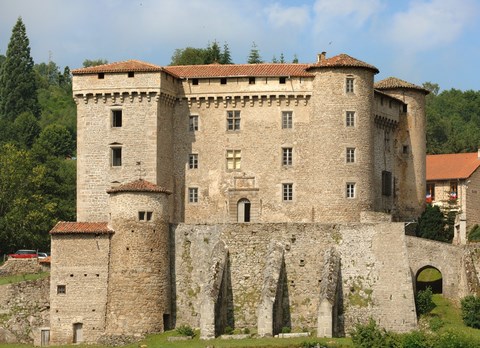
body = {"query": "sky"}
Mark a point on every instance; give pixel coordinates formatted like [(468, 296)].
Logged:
[(418, 41)]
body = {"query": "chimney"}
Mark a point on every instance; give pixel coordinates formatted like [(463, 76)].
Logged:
[(321, 57)]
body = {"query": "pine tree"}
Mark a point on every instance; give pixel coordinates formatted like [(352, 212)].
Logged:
[(212, 53), (18, 89), (225, 57), (254, 57), (295, 59), (282, 58)]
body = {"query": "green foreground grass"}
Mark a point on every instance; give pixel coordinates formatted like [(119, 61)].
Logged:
[(429, 275), (22, 277)]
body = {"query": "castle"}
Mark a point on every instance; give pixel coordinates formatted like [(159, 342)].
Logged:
[(253, 196)]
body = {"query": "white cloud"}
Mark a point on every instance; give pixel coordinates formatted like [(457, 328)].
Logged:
[(288, 17), (356, 11), (431, 24)]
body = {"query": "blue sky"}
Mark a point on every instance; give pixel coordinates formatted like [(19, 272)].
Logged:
[(415, 40)]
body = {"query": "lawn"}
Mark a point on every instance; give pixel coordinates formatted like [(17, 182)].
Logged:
[(22, 277)]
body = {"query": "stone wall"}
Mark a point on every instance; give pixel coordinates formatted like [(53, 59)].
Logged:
[(375, 277), (24, 307), (20, 266)]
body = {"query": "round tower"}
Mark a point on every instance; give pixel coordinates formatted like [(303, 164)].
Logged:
[(342, 108), (139, 286), (410, 147)]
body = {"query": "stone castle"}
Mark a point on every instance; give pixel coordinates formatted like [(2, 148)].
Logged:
[(254, 196)]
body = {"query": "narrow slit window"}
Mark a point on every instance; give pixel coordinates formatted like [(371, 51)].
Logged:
[(116, 156)]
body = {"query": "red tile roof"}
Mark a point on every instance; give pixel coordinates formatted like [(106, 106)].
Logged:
[(451, 166), (342, 61), (63, 227), (139, 185), (129, 65), (393, 82), (239, 70)]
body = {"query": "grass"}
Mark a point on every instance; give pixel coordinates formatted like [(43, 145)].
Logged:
[(22, 277), (429, 275)]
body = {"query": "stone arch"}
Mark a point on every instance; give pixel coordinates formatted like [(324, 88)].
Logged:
[(436, 284), (243, 210)]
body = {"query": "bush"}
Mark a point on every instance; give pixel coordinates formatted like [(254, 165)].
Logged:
[(185, 330), (451, 339), (416, 339), (371, 336), (434, 225), (228, 330), (474, 234), (424, 302), (286, 329), (435, 324), (471, 311)]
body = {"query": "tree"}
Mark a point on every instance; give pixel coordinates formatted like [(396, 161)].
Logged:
[(18, 88), (282, 58), (26, 129), (95, 62), (188, 56), (433, 225), (54, 141), (254, 56), (295, 59), (212, 53), (225, 57)]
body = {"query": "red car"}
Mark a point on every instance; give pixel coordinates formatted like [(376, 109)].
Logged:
[(24, 254)]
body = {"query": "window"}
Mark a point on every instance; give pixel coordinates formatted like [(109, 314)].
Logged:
[(350, 155), (61, 289), (287, 156), (101, 76), (223, 81), (234, 158), (145, 215), (430, 196), (282, 80), (116, 156), (349, 85), (233, 120), (195, 82), (386, 183), (453, 193), (116, 118), (192, 195), (193, 161), (350, 190), (287, 119), (251, 80), (405, 149), (131, 74), (193, 123), (287, 192), (350, 119)]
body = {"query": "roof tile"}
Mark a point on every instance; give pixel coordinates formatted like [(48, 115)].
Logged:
[(393, 82), (342, 60), (451, 166), (63, 227), (139, 185), (126, 66)]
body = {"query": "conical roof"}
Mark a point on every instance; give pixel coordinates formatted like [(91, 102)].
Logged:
[(139, 185), (394, 83)]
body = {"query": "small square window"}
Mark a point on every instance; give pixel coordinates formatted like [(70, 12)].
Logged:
[(149, 215), (193, 123), (282, 80), (287, 156), (287, 192), (287, 119), (141, 215), (350, 119), (145, 215), (223, 81), (193, 195), (116, 156), (116, 118), (61, 289), (233, 120), (195, 82), (349, 84), (131, 74), (234, 158), (251, 80), (193, 161), (350, 190), (101, 76), (405, 149), (350, 155)]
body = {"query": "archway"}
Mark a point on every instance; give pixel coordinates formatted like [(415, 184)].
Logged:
[(243, 210), (429, 276)]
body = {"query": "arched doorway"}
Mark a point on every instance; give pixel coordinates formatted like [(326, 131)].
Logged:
[(243, 210), (429, 276)]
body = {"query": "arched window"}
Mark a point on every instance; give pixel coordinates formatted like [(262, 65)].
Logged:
[(243, 210)]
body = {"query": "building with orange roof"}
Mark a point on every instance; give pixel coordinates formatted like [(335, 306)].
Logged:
[(453, 182)]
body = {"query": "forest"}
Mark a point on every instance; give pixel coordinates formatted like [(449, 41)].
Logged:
[(38, 132)]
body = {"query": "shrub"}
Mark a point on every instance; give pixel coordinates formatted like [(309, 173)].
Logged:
[(286, 329), (471, 311), (185, 330), (435, 324), (228, 330), (416, 339), (474, 234), (424, 302), (246, 331), (451, 339), (371, 336)]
